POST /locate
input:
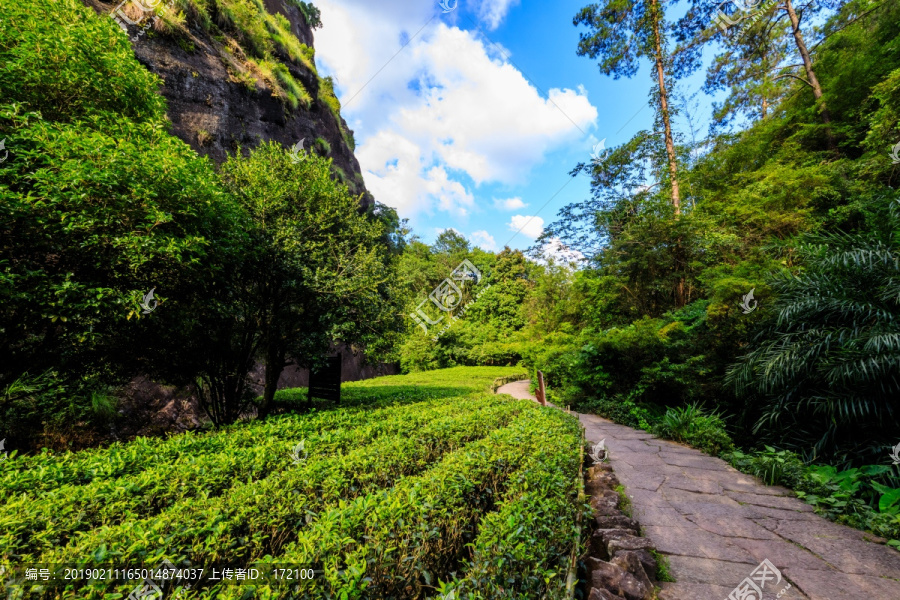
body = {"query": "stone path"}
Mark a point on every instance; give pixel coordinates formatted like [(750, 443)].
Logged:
[(517, 389), (716, 525)]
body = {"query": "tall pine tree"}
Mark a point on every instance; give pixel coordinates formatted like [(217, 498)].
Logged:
[(620, 33)]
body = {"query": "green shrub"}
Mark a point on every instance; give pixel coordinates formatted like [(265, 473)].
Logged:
[(774, 467), (650, 361), (691, 425), (624, 412)]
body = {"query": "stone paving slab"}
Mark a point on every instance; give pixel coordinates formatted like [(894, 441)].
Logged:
[(834, 584), (659, 516), (717, 525), (732, 527), (693, 591)]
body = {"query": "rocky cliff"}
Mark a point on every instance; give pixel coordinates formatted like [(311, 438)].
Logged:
[(237, 73)]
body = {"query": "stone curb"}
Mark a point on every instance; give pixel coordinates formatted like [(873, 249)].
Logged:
[(619, 563)]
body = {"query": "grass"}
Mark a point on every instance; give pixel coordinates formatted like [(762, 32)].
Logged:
[(323, 146), (662, 567), (624, 501), (265, 41), (327, 95)]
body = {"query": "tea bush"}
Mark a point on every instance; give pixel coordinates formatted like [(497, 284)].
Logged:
[(399, 542), (530, 533), (72, 508), (389, 492)]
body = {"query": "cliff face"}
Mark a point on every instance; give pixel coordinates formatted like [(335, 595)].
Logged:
[(221, 97)]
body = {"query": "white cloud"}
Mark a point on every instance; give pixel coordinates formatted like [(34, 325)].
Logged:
[(443, 116), (509, 203), (493, 12), (484, 240), (531, 227), (405, 183)]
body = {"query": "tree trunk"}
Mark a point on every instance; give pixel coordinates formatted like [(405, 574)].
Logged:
[(810, 72), (664, 107)]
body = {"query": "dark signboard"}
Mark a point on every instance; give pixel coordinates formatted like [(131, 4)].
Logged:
[(325, 383)]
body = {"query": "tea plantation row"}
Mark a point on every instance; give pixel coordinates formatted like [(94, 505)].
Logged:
[(425, 485)]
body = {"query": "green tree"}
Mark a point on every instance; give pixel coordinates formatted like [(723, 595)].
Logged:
[(620, 33), (318, 270), (62, 59), (758, 36), (748, 69), (501, 306), (551, 300), (98, 204)]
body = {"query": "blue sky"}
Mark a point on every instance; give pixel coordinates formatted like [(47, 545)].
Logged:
[(476, 122)]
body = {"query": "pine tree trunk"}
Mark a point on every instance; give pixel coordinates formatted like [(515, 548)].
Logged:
[(670, 145), (767, 80), (664, 107), (810, 72)]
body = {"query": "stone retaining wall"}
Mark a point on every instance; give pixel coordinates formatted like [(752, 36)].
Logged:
[(619, 565)]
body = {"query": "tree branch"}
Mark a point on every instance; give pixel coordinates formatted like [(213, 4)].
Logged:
[(797, 77)]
